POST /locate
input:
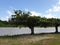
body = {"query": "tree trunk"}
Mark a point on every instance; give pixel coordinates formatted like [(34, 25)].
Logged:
[(56, 29), (32, 30)]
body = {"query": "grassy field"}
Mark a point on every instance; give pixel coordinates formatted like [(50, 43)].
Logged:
[(43, 39)]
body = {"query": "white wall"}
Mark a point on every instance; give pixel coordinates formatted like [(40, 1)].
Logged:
[(16, 31)]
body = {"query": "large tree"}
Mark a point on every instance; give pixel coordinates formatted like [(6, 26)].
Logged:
[(55, 22), (33, 21), (24, 18), (56, 26)]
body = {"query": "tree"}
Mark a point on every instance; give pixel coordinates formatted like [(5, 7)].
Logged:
[(25, 19), (15, 18), (45, 24), (56, 27), (33, 21)]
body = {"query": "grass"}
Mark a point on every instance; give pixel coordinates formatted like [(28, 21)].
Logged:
[(43, 39)]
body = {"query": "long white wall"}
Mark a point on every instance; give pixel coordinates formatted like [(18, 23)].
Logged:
[(16, 31)]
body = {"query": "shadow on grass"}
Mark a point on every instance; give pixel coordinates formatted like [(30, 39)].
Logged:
[(24, 35)]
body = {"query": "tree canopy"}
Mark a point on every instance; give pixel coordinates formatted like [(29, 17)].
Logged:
[(21, 18)]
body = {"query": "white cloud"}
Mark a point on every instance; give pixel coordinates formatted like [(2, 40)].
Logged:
[(26, 9), (50, 16), (4, 18), (8, 15), (58, 2), (49, 10), (52, 12), (34, 13), (55, 8), (9, 12)]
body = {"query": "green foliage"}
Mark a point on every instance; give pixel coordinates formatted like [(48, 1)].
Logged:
[(24, 18), (33, 21)]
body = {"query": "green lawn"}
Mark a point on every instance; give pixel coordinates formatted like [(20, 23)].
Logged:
[(43, 39)]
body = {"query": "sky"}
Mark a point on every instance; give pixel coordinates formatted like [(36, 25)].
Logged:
[(43, 8)]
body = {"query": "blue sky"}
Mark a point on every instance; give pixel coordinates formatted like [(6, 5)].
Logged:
[(43, 8)]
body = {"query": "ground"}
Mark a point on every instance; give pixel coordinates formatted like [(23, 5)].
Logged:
[(42, 39)]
